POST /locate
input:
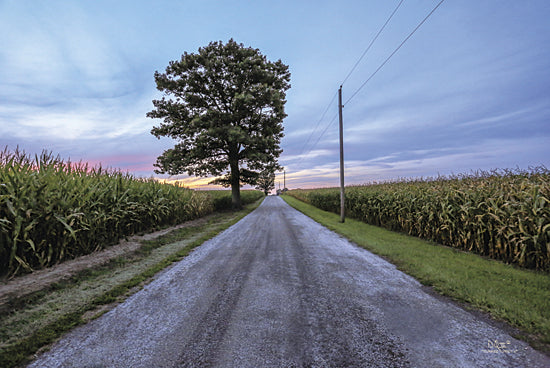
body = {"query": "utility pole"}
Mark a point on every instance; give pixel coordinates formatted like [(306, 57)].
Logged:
[(284, 179), (341, 118)]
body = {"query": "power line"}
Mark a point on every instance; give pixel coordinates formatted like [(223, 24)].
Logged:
[(394, 52), (324, 131), (318, 123), (370, 77), (347, 77), (372, 42), (317, 141)]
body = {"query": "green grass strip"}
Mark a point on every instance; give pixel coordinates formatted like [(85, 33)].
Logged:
[(518, 296), (21, 351)]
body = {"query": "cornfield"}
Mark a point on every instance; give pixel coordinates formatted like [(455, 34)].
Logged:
[(504, 215), (51, 210)]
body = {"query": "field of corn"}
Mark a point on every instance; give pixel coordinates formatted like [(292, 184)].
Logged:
[(504, 215), (51, 210)]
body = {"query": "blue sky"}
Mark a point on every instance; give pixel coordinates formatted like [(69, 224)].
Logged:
[(469, 90)]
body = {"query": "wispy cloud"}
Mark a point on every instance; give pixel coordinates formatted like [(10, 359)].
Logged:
[(78, 120), (308, 155), (492, 154), (63, 78)]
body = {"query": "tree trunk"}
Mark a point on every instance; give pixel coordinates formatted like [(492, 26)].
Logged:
[(235, 185)]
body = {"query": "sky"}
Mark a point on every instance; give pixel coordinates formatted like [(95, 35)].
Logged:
[(469, 90)]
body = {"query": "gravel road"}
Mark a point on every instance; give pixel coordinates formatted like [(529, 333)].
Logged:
[(279, 290)]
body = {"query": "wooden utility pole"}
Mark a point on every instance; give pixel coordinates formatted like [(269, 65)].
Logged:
[(342, 197)]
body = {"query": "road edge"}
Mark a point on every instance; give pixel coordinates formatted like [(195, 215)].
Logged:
[(22, 352), (536, 341)]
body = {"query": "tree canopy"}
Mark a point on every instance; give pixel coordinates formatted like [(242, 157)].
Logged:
[(225, 107)]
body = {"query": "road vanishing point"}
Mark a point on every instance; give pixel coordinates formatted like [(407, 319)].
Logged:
[(279, 290)]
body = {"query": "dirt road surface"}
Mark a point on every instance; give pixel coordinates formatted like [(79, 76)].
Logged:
[(279, 290)]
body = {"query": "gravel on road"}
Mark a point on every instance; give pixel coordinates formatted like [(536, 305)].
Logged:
[(279, 290)]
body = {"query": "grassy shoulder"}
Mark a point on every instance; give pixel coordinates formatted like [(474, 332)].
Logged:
[(518, 296), (40, 319)]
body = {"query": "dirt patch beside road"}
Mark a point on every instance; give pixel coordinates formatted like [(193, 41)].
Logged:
[(24, 285)]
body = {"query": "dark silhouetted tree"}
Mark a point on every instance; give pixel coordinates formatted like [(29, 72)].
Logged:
[(225, 107)]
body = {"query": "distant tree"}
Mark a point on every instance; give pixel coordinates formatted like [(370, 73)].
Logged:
[(266, 181), (225, 106)]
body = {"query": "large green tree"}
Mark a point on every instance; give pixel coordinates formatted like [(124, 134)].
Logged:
[(225, 107)]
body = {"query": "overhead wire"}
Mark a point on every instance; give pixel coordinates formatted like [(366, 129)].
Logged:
[(324, 131), (372, 42), (318, 123), (393, 53), (345, 79), (369, 78)]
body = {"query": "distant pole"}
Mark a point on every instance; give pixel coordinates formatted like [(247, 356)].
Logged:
[(342, 198), (284, 179)]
